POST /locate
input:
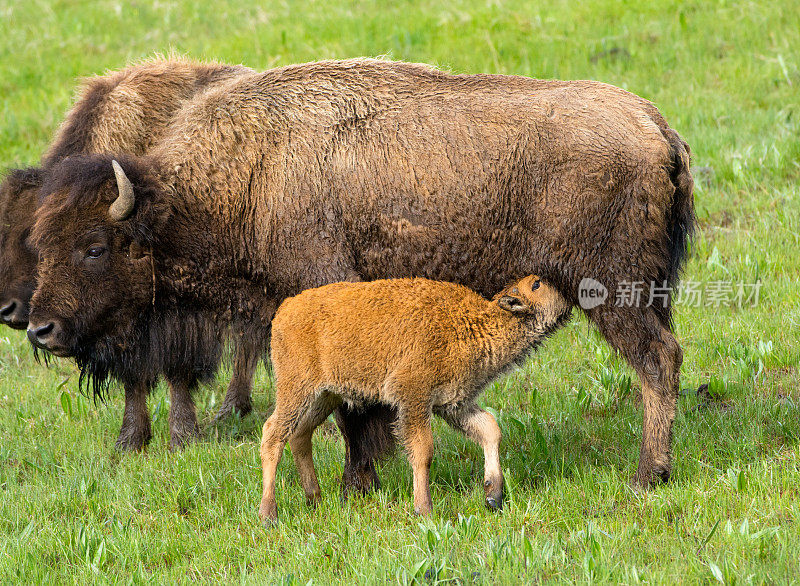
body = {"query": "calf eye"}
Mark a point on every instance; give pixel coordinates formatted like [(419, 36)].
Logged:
[(535, 285), (95, 252)]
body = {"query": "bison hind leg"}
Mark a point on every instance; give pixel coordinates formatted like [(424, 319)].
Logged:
[(237, 400), (653, 351)]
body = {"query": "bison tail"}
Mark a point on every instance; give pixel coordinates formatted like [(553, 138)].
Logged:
[(681, 220)]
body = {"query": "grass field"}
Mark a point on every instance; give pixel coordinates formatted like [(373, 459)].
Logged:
[(725, 74)]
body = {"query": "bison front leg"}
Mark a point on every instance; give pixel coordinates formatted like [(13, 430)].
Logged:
[(183, 428), (135, 432)]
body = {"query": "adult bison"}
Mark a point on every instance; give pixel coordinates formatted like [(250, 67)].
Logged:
[(123, 111), (17, 257), (342, 170)]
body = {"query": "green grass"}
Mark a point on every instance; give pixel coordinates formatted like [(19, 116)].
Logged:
[(727, 77)]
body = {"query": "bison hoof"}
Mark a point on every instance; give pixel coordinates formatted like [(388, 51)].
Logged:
[(230, 408), (651, 477), (131, 442), (180, 440), (359, 482)]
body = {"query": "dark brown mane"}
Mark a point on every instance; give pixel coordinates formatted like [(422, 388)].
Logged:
[(84, 176), (81, 125), (84, 181), (16, 180)]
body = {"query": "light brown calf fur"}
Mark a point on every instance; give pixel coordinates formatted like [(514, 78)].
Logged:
[(421, 346)]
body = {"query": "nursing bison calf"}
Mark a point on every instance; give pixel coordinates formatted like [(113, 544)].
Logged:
[(276, 182), (124, 111), (422, 347)]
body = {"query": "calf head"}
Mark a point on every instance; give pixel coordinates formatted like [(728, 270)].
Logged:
[(93, 232), (535, 301), (18, 196)]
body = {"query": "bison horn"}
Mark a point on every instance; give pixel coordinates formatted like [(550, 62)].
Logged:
[(123, 205)]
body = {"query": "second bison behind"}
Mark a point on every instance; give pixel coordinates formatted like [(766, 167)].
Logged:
[(422, 346)]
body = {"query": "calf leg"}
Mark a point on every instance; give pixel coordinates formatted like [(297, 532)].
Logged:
[(415, 429), (655, 354), (481, 427), (273, 439), (290, 409), (183, 428), (301, 446), (135, 432)]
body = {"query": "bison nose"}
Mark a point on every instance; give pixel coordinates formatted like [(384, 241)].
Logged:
[(13, 314), (42, 336), (8, 310)]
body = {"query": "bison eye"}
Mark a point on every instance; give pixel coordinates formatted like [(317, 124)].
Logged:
[(535, 285), (95, 252)]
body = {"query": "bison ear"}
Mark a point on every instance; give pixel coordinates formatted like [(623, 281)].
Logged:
[(123, 205), (136, 251), (512, 304)]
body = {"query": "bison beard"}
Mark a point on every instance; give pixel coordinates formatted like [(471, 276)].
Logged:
[(333, 171), (177, 345), (184, 347)]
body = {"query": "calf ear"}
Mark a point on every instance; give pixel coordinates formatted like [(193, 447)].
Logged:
[(512, 304)]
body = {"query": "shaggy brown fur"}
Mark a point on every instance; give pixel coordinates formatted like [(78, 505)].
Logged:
[(122, 111), (421, 346), (17, 257), (355, 170)]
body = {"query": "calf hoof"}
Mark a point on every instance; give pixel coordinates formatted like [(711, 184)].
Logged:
[(423, 511), (268, 512), (493, 503), (494, 494)]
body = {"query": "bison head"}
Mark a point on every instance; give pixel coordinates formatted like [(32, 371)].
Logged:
[(95, 272), (17, 256)]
